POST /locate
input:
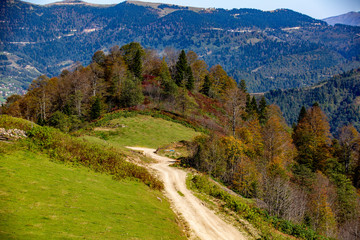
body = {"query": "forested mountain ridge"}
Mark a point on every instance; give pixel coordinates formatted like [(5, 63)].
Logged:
[(269, 49), (339, 97)]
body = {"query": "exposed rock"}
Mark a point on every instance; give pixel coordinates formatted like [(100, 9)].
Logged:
[(11, 134)]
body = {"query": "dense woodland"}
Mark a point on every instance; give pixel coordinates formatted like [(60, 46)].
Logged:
[(338, 98), (271, 49), (301, 174)]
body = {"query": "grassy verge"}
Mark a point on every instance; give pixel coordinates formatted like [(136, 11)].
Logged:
[(269, 227), (40, 199)]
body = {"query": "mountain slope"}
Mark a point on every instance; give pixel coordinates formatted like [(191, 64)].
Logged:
[(270, 49), (339, 97), (351, 18)]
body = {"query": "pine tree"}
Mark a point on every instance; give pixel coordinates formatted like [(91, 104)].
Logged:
[(262, 111), (190, 79), (206, 86), (181, 67), (248, 104), (137, 65), (302, 114), (254, 106)]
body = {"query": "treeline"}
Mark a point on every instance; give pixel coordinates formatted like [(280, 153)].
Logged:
[(127, 77), (338, 97), (302, 175)]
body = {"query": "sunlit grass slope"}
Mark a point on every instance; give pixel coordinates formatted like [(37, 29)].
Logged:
[(40, 199), (143, 131)]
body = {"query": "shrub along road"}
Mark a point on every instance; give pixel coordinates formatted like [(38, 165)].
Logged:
[(204, 223)]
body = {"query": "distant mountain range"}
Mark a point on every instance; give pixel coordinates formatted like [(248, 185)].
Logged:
[(269, 49), (351, 18)]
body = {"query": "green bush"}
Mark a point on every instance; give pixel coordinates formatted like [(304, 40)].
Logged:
[(44, 137), (59, 120)]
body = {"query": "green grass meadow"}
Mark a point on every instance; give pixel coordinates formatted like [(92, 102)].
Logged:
[(41, 199), (142, 131)]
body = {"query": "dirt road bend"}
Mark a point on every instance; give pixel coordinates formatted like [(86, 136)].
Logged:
[(204, 223)]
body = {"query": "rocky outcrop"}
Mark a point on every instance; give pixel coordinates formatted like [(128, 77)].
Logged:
[(11, 134)]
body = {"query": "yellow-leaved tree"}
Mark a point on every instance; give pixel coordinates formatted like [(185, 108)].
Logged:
[(241, 172), (220, 82)]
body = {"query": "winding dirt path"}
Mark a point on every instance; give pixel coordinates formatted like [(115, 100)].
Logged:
[(205, 224)]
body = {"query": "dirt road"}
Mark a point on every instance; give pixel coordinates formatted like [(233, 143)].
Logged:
[(204, 223)]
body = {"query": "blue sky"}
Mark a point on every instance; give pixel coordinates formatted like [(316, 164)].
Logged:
[(315, 8)]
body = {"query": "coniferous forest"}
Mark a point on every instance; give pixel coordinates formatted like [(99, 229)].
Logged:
[(304, 180)]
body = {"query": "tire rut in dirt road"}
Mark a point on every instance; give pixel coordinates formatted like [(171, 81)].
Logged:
[(204, 223)]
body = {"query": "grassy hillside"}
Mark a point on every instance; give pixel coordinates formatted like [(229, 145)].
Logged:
[(141, 131), (41, 199), (54, 186)]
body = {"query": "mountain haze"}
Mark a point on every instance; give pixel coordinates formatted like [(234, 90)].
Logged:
[(269, 49), (350, 18)]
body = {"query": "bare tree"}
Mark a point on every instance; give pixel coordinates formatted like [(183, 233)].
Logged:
[(235, 101), (282, 199), (171, 56)]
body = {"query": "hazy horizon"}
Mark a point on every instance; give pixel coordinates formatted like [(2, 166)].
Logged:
[(318, 9)]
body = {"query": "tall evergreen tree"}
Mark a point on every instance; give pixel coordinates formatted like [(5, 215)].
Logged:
[(302, 114), (254, 106), (206, 86), (248, 104), (137, 65), (262, 110), (189, 79), (181, 67)]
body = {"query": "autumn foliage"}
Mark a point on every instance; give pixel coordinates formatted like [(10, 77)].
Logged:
[(301, 175)]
